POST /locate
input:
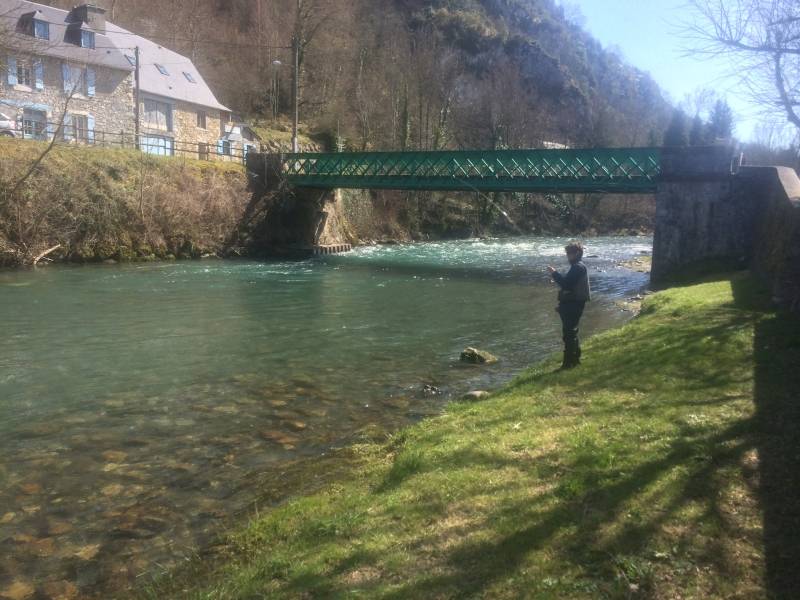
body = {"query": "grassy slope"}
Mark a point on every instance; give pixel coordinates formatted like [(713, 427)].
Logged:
[(665, 467), (103, 203)]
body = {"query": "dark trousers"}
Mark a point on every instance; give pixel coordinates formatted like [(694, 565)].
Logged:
[(571, 313)]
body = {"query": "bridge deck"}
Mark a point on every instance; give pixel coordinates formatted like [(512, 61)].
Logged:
[(612, 170)]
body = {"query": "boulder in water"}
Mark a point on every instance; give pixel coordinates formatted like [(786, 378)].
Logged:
[(474, 356), (475, 395)]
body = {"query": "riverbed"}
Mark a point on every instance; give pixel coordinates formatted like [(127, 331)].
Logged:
[(138, 403)]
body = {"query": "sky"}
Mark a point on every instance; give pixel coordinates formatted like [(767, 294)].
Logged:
[(646, 33)]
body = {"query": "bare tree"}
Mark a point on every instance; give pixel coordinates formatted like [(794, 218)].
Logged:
[(762, 37)]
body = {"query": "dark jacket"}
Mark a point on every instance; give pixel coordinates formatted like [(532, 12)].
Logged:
[(574, 285)]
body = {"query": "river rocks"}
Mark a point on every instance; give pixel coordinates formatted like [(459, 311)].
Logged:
[(115, 456), (60, 590), (295, 425), (475, 396), (57, 527), (87, 552), (279, 437), (430, 390), (474, 356), (30, 489), (18, 590)]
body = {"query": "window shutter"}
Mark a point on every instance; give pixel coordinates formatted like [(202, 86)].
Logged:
[(221, 147), (67, 127), (90, 81), (90, 126), (38, 68), (12, 70), (65, 73), (51, 127)]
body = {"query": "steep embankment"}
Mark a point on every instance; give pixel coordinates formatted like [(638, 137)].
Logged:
[(385, 215), (666, 466), (99, 204)]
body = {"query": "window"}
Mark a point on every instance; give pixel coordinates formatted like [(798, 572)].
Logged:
[(224, 117), (87, 39), (224, 147), (202, 151), (162, 69), (131, 60), (157, 115), (80, 124), (157, 144), (25, 73), (75, 79), (41, 30), (34, 124), (189, 77), (78, 128), (201, 119)]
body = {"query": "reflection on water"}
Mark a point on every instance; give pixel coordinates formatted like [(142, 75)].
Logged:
[(137, 402)]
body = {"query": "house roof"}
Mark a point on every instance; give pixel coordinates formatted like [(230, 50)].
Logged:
[(111, 49), (175, 84)]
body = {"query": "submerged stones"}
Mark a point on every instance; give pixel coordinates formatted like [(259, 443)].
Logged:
[(18, 590), (474, 356)]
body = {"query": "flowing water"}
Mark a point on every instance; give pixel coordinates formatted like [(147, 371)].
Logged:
[(138, 403)]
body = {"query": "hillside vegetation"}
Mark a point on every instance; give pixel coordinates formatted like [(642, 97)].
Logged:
[(100, 204), (412, 73), (666, 466)]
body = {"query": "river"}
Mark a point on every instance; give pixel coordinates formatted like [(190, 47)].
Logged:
[(139, 402)]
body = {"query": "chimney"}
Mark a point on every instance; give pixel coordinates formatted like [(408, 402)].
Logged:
[(93, 16)]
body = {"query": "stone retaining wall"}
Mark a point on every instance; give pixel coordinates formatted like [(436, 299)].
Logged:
[(776, 248)]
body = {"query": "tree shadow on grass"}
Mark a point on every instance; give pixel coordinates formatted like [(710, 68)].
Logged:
[(475, 566)]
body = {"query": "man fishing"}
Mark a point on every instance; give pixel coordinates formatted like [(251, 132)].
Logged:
[(572, 298)]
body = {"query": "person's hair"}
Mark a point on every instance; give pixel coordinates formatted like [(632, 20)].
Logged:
[(576, 247)]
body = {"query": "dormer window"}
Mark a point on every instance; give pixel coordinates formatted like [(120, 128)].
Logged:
[(189, 77), (41, 29), (87, 39), (162, 69)]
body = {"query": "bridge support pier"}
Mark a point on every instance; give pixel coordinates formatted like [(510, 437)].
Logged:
[(703, 212), (285, 220)]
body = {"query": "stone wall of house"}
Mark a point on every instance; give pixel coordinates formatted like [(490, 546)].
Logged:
[(189, 134), (110, 106)]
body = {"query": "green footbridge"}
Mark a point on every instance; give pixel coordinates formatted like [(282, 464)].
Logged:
[(597, 170)]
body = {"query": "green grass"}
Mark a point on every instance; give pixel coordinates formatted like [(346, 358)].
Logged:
[(664, 467)]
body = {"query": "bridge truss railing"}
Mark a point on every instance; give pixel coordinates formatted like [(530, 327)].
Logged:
[(612, 170)]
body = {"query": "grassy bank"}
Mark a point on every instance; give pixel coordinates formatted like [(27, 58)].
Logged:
[(667, 466), (100, 203)]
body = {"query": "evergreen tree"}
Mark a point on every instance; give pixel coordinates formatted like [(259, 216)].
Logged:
[(676, 133), (697, 135), (721, 126)]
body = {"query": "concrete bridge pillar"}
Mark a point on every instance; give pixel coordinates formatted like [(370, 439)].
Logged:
[(701, 211)]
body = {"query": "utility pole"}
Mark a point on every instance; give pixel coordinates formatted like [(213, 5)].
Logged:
[(136, 99), (295, 90)]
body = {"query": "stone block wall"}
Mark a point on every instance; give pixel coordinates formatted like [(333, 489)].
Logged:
[(188, 134), (776, 250), (702, 211), (707, 210), (110, 106)]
